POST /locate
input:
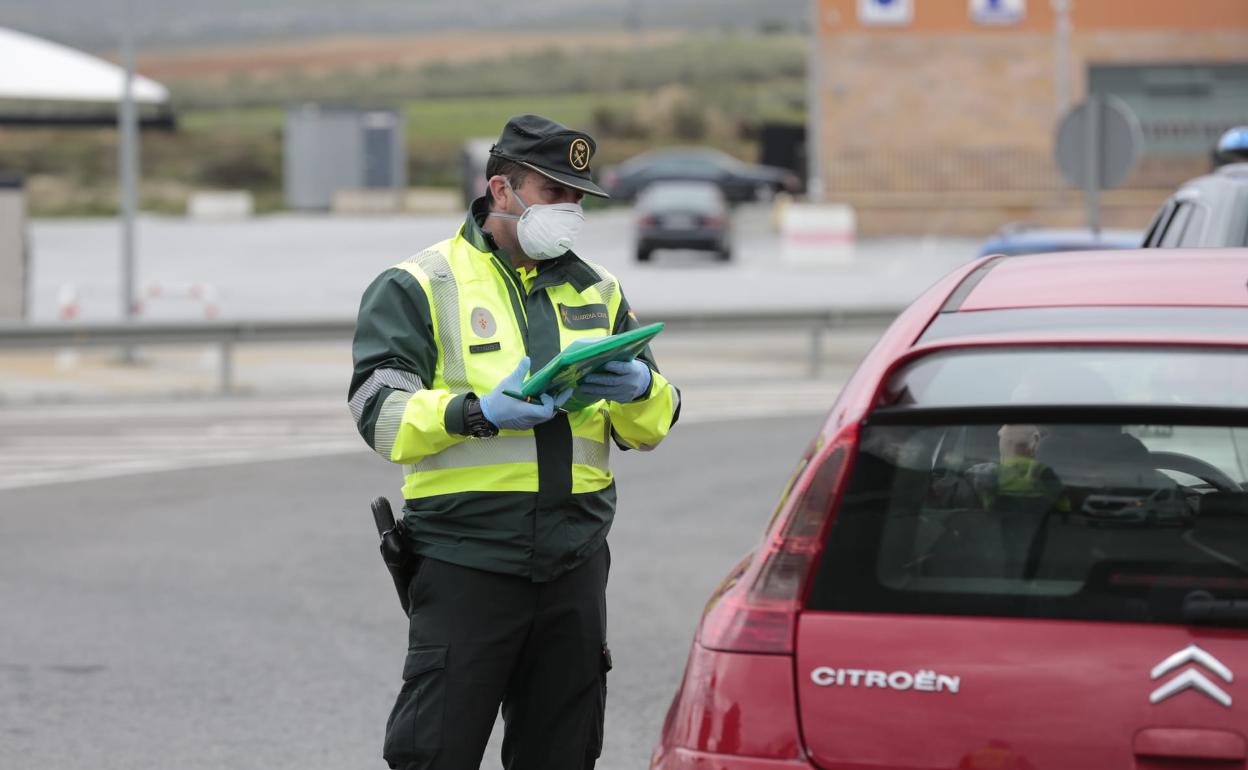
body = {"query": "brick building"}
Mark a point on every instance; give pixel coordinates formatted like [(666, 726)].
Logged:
[(938, 116)]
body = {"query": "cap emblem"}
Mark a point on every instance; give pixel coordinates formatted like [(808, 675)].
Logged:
[(578, 154)]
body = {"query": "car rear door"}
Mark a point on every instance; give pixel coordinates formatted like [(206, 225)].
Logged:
[(980, 604), (898, 691)]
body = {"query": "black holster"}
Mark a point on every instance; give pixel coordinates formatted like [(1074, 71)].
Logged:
[(399, 560)]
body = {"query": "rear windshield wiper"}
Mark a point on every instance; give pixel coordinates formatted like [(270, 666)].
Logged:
[(1220, 612)]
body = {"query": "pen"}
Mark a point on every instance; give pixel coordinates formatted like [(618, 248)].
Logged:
[(531, 400)]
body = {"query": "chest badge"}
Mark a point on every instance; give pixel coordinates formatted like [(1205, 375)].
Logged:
[(483, 324), (585, 316)]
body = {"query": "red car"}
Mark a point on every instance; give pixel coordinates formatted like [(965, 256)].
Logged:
[(1020, 540)]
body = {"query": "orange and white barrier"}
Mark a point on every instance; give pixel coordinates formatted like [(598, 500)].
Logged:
[(68, 305), (220, 204), (817, 234), (203, 293)]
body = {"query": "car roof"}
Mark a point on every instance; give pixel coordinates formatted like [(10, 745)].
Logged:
[(1233, 176), (1060, 240), (1084, 234), (679, 151), (685, 149), (1128, 277), (1237, 172), (1132, 296), (695, 185)]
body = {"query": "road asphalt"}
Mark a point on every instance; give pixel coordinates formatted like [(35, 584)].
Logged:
[(192, 581), (236, 615)]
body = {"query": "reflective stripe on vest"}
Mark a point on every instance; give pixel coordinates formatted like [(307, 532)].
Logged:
[(444, 297), (390, 417), (446, 312), (605, 287), (501, 450)]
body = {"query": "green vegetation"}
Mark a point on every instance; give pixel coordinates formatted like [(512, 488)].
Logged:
[(713, 90), (697, 63)]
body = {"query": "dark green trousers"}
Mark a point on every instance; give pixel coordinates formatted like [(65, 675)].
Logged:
[(480, 640)]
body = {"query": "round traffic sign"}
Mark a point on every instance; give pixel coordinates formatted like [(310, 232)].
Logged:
[(1098, 143)]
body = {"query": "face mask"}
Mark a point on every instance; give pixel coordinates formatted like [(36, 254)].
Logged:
[(546, 230)]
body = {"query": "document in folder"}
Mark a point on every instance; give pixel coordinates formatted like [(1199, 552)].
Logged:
[(583, 357)]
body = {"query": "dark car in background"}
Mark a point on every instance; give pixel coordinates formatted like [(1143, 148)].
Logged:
[(740, 182), (1016, 239), (1208, 211), (683, 215)]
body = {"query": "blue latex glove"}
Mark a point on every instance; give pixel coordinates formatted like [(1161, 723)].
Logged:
[(509, 413), (621, 381)]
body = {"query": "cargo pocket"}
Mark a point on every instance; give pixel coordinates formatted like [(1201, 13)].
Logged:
[(598, 712), (414, 730)]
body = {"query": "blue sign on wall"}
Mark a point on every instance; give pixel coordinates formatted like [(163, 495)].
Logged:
[(885, 12), (998, 11)]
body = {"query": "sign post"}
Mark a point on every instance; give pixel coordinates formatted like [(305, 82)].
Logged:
[(14, 253), (1098, 144), (814, 105)]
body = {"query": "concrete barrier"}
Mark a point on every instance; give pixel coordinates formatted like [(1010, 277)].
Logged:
[(367, 202), (817, 234), (432, 200), (220, 204), (414, 200)]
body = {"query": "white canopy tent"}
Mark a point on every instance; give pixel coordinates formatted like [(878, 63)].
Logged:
[(34, 69)]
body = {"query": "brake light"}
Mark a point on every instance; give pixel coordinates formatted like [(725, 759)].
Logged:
[(648, 220), (756, 608)]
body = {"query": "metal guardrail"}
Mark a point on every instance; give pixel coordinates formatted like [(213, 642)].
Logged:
[(229, 334)]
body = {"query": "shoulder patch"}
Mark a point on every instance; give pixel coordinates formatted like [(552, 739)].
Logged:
[(483, 323)]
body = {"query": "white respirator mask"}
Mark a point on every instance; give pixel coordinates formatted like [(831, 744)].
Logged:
[(545, 230)]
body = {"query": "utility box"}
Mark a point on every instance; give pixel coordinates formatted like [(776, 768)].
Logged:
[(328, 149), (14, 253), (784, 146), (472, 159)]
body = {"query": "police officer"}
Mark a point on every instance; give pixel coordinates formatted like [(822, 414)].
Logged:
[(508, 503), (1232, 147)]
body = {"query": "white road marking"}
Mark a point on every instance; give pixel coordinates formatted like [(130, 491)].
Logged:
[(56, 444)]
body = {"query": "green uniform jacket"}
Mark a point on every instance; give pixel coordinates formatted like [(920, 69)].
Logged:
[(456, 319)]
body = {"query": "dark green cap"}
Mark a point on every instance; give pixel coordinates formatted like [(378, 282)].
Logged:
[(551, 149)]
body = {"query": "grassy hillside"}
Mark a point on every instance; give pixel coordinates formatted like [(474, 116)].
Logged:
[(195, 23), (710, 89)]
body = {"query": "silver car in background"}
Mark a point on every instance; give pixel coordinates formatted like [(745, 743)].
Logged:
[(683, 215), (1208, 211)]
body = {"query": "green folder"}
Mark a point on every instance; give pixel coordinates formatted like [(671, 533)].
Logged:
[(583, 357)]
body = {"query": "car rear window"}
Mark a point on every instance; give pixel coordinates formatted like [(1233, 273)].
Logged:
[(1070, 519), (1194, 233), (669, 195), (1174, 232), (1070, 375)]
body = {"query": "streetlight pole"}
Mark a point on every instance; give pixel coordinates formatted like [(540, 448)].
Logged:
[(127, 164), (1061, 55), (814, 108)]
